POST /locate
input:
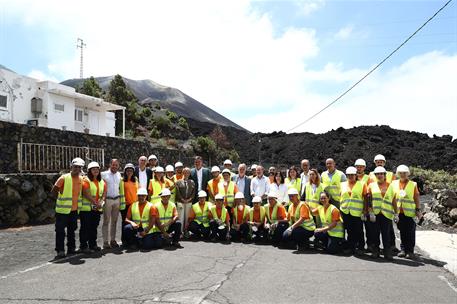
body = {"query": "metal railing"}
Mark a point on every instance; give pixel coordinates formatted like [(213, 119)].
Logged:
[(34, 157)]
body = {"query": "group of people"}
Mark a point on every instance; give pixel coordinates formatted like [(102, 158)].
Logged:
[(346, 212)]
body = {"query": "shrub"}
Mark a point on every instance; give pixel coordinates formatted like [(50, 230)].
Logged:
[(155, 133), (171, 116), (163, 122), (439, 179), (182, 122)]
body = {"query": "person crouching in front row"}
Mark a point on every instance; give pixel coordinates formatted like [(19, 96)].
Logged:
[(219, 220), (240, 227)]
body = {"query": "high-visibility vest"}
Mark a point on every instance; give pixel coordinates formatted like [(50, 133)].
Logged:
[(142, 219), (326, 219), (64, 202), (312, 199), (365, 179), (86, 205), (274, 214), (213, 190), (245, 213), (122, 193), (308, 224), (332, 185), (201, 216), (223, 213), (170, 182), (229, 195), (164, 214), (352, 199), (157, 187), (262, 214), (380, 203), (389, 177), (405, 202), (293, 184)]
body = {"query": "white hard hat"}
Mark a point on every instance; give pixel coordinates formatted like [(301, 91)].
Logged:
[(254, 166), (152, 156), (219, 197), (169, 168), (215, 169), (165, 192), (141, 191), (159, 169), (379, 169), (239, 195), (226, 171), (351, 170), (360, 162), (93, 165), (202, 193), (179, 164), (256, 199), (402, 169), (227, 162), (129, 165), (273, 194), (292, 191), (78, 162), (379, 157)]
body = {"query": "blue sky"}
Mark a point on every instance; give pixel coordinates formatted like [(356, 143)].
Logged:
[(252, 61)]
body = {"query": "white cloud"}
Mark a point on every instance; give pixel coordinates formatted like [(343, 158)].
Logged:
[(307, 7), (344, 33), (41, 76)]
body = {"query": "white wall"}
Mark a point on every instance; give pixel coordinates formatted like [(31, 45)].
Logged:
[(57, 119)]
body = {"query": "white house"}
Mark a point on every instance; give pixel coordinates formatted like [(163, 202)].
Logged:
[(53, 105)]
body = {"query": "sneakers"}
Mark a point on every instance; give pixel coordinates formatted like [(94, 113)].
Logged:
[(410, 256), (401, 254), (114, 244)]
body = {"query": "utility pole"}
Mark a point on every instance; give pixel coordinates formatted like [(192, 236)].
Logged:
[(80, 45)]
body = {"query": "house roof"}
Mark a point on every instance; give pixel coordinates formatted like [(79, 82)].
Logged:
[(87, 101)]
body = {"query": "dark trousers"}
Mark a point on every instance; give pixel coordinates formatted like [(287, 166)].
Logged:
[(230, 212), (199, 230), (149, 241), (260, 235), (123, 216), (369, 233), (276, 237), (69, 222), (392, 235), (89, 221), (354, 228), (242, 233), (175, 230), (220, 234), (332, 245), (299, 236), (407, 228), (382, 226)]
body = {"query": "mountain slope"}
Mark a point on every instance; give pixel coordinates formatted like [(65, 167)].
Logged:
[(150, 93)]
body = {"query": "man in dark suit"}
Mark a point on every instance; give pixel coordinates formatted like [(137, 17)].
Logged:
[(143, 173), (200, 176), (243, 182)]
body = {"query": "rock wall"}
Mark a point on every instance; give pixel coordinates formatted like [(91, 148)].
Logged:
[(123, 149), (26, 199), (443, 209)]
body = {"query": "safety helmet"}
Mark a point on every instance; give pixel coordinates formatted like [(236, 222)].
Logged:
[(379, 157), (219, 197), (179, 164), (159, 169), (169, 168), (227, 162), (93, 165), (215, 169), (78, 162), (360, 162), (141, 191), (402, 169), (165, 192), (201, 193), (379, 169), (256, 200), (239, 195), (351, 170), (152, 156), (292, 191), (129, 166)]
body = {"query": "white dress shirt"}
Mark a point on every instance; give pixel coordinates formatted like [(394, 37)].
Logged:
[(143, 178), (112, 181), (260, 186), (304, 180), (200, 178), (281, 190)]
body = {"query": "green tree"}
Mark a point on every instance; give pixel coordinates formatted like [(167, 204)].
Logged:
[(172, 116), (163, 122), (205, 146), (90, 87), (182, 122)]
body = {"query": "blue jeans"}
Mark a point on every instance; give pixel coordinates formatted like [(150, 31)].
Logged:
[(149, 241), (332, 244), (199, 230)]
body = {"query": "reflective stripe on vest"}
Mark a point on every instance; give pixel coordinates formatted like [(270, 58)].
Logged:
[(333, 185), (223, 213), (201, 216), (308, 224), (122, 193), (274, 214), (389, 177), (313, 198), (245, 212), (64, 202), (382, 204), (86, 204), (156, 189), (262, 214), (326, 219), (142, 219), (229, 196), (353, 203), (164, 214), (210, 186), (406, 202)]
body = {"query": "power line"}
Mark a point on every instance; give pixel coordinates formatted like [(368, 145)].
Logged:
[(373, 69)]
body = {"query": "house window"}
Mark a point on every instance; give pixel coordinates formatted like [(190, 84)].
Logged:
[(79, 115), (59, 107), (3, 101)]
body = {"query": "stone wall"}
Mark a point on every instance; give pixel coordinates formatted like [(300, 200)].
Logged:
[(123, 149), (26, 199)]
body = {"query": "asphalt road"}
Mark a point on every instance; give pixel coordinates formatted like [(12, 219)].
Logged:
[(210, 273)]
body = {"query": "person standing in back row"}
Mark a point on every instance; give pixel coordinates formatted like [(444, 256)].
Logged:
[(243, 182), (331, 181), (200, 176), (143, 173), (260, 185), (185, 192), (304, 175), (111, 208)]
